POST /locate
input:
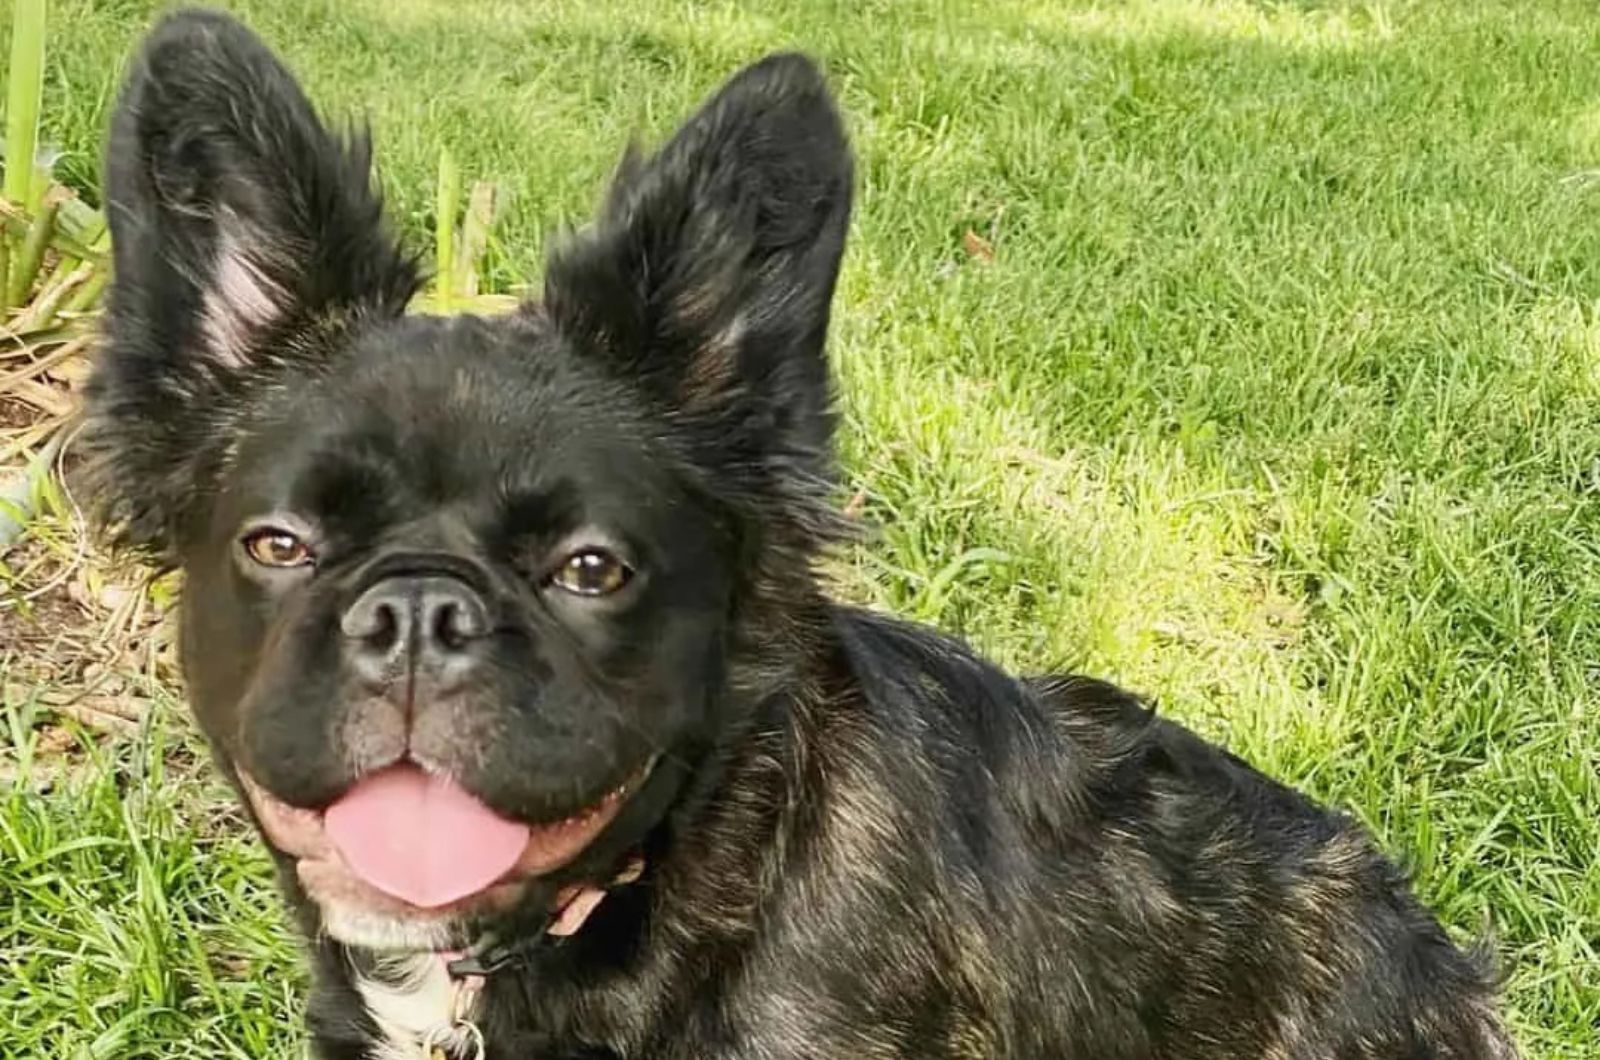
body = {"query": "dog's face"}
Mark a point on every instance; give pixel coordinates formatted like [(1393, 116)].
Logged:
[(468, 602)]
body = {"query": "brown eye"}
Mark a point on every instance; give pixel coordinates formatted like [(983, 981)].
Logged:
[(591, 572), (272, 547)]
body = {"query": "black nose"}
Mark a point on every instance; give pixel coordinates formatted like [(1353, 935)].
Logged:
[(414, 629)]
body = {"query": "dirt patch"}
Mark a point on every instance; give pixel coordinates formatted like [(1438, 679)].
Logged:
[(86, 646), (15, 415)]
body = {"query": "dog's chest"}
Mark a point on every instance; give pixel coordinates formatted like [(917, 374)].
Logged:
[(420, 1011)]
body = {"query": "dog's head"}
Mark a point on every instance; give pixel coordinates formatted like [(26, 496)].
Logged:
[(468, 601)]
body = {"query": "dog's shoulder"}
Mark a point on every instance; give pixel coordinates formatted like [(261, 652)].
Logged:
[(920, 683), (1131, 734), (1186, 792), (1073, 760), (916, 686)]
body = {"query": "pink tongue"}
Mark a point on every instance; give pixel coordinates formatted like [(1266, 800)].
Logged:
[(421, 838)]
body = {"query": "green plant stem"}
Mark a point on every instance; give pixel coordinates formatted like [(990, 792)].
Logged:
[(25, 84), (448, 204), (475, 238), (25, 263), (85, 297)]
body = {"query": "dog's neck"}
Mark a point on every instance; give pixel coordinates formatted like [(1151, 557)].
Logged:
[(416, 1004), (426, 1004)]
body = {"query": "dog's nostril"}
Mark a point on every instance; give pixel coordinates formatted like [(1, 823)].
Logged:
[(455, 622), (385, 629), (447, 627), (376, 623)]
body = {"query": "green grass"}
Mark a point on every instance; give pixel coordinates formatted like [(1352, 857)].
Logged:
[(1280, 401), (139, 918)]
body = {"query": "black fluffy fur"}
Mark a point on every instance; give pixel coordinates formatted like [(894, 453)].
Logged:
[(863, 840)]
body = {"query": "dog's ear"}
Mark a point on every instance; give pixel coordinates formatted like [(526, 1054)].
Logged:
[(233, 211), (238, 221), (708, 275)]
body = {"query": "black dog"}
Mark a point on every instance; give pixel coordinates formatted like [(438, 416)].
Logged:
[(510, 633)]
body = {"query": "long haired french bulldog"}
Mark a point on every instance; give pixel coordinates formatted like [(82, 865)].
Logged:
[(510, 634)]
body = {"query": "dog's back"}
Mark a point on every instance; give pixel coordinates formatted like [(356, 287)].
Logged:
[(1096, 881)]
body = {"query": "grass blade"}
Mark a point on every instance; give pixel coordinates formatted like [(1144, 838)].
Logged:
[(26, 261), (82, 222), (16, 225), (444, 246), (88, 292), (24, 87), (18, 493), (475, 238)]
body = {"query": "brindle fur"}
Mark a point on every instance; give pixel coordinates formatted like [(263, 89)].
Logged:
[(869, 842)]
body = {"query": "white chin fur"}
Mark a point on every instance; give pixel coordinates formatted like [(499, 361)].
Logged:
[(381, 932)]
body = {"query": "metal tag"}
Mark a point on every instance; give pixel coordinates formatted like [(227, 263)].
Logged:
[(437, 1043)]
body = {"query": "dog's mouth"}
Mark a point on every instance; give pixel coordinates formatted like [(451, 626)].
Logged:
[(408, 844)]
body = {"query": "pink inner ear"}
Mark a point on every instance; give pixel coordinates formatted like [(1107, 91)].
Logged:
[(241, 301)]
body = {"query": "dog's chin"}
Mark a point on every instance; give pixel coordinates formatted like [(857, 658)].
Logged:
[(355, 912), (369, 929)]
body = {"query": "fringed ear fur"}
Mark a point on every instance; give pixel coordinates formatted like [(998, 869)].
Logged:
[(708, 275), (238, 222)]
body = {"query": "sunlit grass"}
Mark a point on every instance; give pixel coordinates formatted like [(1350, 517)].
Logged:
[(1276, 401)]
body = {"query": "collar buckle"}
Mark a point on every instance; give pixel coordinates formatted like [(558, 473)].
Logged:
[(490, 954)]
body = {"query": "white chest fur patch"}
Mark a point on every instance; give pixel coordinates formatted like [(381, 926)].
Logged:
[(410, 1000)]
